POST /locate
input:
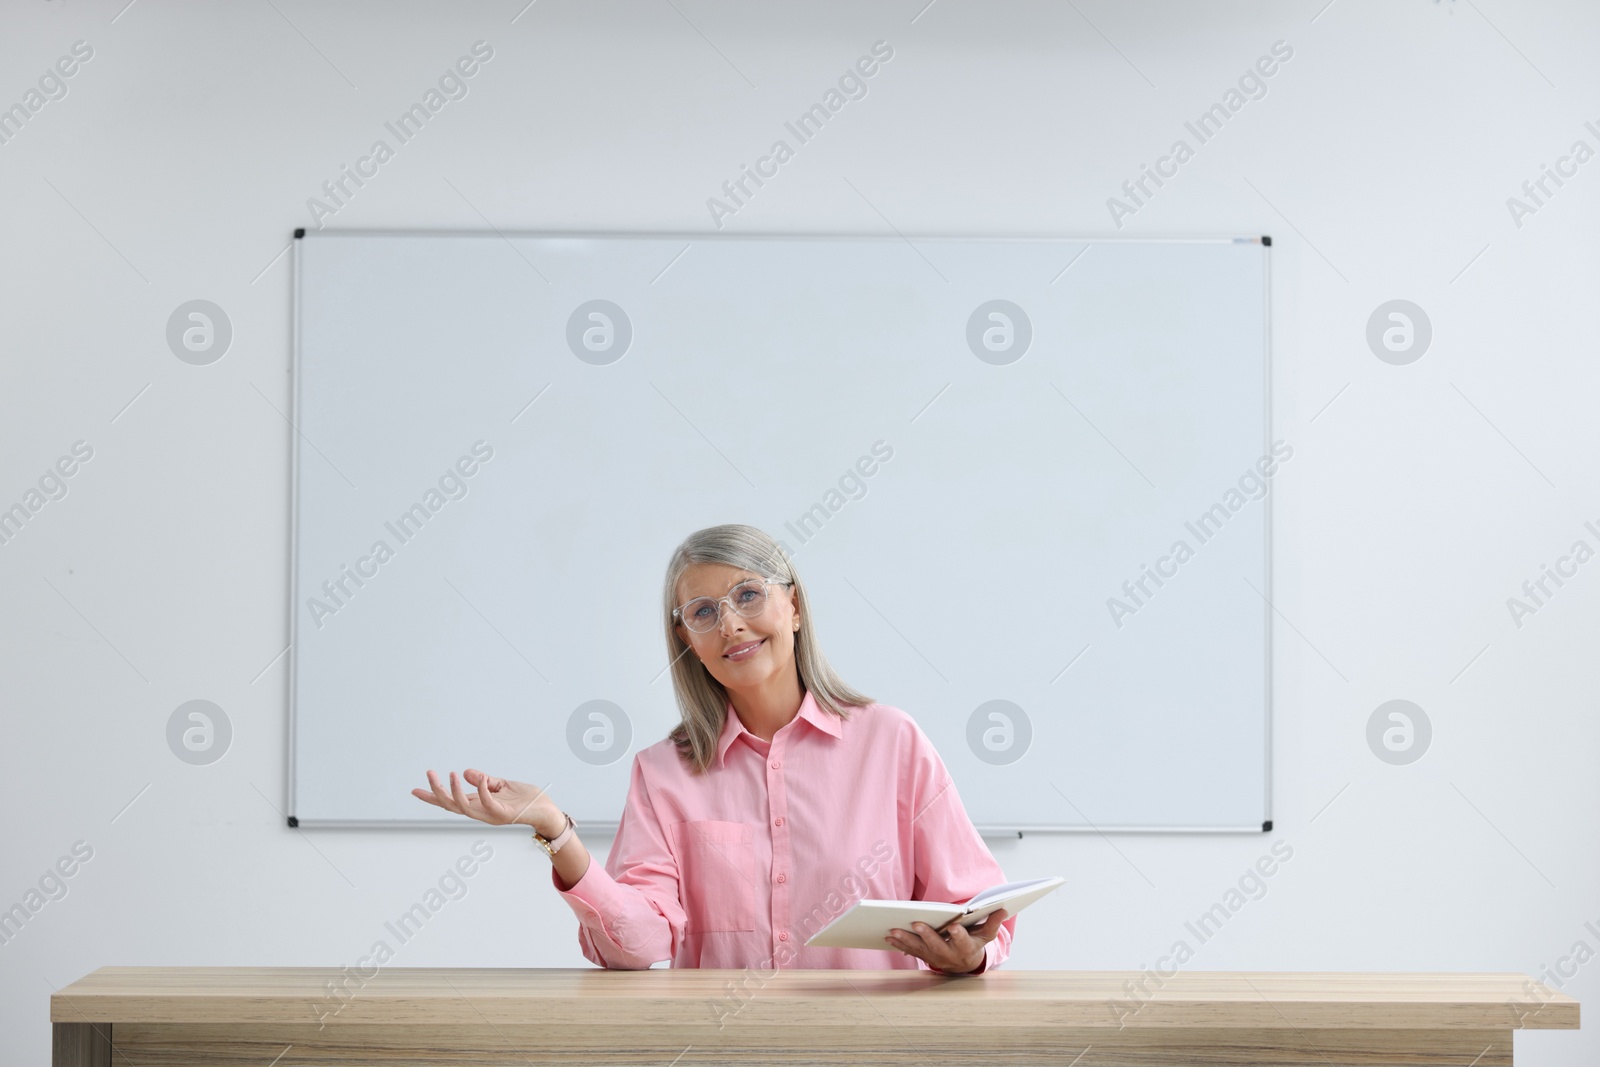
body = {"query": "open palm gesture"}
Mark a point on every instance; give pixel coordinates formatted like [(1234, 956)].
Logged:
[(498, 801)]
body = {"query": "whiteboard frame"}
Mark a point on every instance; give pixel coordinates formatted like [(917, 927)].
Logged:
[(610, 828)]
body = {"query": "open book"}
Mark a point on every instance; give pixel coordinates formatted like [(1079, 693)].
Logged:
[(869, 921)]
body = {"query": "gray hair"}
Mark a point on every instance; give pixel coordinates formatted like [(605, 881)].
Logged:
[(702, 699)]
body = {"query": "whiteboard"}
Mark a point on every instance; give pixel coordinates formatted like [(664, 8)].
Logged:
[(530, 423)]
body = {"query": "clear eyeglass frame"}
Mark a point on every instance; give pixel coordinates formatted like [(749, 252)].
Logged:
[(680, 613)]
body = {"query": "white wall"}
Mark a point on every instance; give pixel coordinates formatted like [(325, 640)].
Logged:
[(1419, 499)]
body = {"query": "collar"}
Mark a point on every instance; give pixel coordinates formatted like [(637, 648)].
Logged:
[(732, 727)]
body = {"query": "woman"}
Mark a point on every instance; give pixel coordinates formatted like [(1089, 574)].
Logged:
[(781, 798)]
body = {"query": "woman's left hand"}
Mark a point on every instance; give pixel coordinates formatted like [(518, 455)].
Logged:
[(956, 950)]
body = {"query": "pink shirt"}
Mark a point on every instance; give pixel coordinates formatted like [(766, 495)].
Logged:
[(737, 867)]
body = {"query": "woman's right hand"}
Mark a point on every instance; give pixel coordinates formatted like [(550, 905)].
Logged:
[(498, 801)]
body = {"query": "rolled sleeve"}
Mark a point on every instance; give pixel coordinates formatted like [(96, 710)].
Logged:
[(629, 913)]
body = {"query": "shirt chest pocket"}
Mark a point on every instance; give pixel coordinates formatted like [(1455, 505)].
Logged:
[(718, 875)]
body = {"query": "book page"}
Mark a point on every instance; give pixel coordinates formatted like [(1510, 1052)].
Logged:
[(1003, 890)]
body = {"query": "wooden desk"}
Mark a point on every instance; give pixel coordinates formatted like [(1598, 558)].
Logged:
[(287, 1017)]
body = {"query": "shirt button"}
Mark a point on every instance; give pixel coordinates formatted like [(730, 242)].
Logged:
[(776, 764), (783, 877), (783, 935), (778, 821)]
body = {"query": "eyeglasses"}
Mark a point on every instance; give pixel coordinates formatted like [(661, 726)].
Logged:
[(748, 598)]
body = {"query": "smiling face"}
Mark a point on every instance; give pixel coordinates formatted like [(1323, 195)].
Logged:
[(773, 629)]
